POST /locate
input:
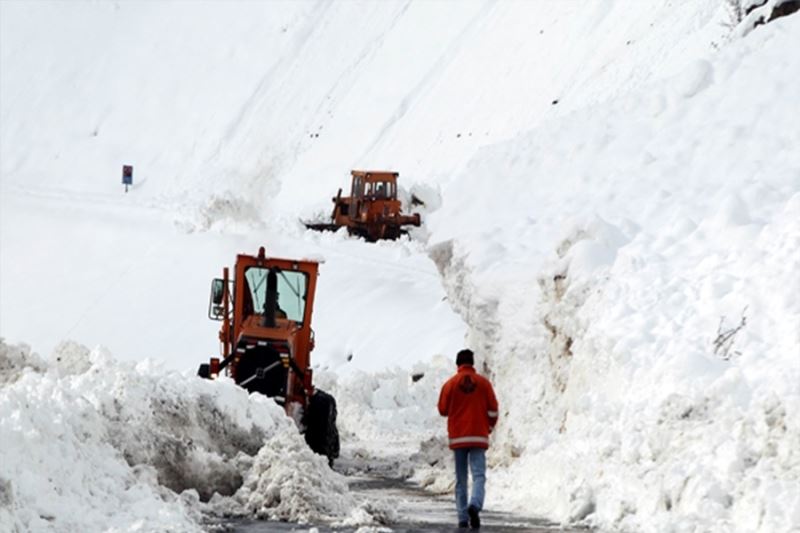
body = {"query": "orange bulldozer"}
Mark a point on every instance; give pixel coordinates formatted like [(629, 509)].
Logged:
[(266, 340), (372, 210)]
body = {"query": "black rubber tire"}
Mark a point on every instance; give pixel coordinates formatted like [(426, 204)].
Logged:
[(322, 435)]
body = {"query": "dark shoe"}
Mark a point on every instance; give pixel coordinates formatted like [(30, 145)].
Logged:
[(463, 525), (474, 518)]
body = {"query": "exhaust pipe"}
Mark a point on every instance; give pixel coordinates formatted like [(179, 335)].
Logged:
[(271, 301)]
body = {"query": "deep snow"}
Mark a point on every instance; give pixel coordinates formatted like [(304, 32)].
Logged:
[(136, 447), (610, 185)]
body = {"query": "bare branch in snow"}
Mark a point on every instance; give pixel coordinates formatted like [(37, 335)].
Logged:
[(724, 341)]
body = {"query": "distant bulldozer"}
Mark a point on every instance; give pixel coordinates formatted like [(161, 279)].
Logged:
[(372, 210)]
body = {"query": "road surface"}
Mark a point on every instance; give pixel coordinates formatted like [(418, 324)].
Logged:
[(417, 511)]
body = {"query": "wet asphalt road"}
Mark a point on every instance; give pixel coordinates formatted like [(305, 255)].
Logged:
[(417, 510)]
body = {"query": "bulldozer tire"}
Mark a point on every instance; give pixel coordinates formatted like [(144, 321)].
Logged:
[(320, 421)]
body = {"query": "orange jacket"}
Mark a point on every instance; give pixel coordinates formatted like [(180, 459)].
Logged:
[(469, 403)]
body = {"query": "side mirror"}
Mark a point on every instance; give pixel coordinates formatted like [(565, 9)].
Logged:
[(216, 311)]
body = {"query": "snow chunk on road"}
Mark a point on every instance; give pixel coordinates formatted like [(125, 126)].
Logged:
[(291, 483)]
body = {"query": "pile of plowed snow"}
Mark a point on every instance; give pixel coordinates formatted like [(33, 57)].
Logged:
[(134, 446)]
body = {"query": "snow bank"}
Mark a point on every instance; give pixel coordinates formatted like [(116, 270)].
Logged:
[(390, 425), (136, 447), (58, 457), (391, 404), (627, 243)]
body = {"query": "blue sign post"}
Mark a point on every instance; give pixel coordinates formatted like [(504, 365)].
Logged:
[(127, 176)]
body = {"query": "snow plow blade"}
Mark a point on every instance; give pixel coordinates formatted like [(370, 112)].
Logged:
[(321, 226)]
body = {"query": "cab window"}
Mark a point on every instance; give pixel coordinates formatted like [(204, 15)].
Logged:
[(292, 287)]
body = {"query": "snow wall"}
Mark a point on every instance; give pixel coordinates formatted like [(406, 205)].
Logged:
[(619, 184)]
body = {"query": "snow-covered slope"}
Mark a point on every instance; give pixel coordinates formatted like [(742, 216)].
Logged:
[(280, 99), (640, 231), (612, 179)]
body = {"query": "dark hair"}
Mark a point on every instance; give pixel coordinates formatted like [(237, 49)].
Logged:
[(465, 357)]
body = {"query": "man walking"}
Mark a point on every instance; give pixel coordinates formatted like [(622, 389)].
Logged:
[(469, 403)]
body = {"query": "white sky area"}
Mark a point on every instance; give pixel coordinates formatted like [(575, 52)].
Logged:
[(610, 185)]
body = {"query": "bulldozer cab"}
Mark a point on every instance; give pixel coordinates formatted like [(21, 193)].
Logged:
[(374, 185), (290, 291)]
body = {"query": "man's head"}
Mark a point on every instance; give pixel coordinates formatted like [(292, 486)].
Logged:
[(465, 357)]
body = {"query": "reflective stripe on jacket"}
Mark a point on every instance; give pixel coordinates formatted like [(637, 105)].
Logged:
[(469, 403)]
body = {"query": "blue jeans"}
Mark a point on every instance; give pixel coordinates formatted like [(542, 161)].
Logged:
[(477, 464)]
